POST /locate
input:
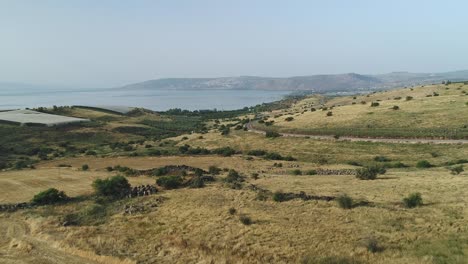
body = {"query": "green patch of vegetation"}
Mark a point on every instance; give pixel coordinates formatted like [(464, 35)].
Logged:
[(245, 220), (272, 134), (170, 182), (113, 187), (370, 173), (413, 200), (423, 164), (49, 196)]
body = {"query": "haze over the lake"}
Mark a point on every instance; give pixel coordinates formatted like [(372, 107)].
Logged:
[(112, 43)]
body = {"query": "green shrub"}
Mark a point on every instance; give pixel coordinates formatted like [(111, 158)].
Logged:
[(49, 196), (409, 98), (381, 159), (214, 170), (344, 201), (279, 196), (197, 182), (170, 182), (289, 119), (311, 172), (374, 104), (232, 211), (329, 113), (413, 200), (85, 167), (366, 174), (297, 172), (224, 151), (256, 152), (115, 187), (423, 164), (272, 134)]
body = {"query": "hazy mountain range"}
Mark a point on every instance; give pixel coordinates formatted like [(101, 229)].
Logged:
[(349, 82), (317, 83)]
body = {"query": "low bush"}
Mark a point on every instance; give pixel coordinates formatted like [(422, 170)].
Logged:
[(423, 164), (413, 200), (85, 167), (276, 156), (279, 196), (296, 172), (272, 134), (311, 172), (170, 182), (214, 170), (245, 220), (289, 119), (224, 151), (381, 159), (232, 211), (256, 152), (374, 104), (49, 196), (329, 113), (370, 172)]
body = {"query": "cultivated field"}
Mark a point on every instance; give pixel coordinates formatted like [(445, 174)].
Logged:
[(28, 117)]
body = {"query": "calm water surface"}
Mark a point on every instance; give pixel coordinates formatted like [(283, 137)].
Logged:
[(152, 99)]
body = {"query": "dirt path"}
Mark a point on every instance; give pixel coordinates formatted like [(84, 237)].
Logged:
[(17, 245), (383, 140)]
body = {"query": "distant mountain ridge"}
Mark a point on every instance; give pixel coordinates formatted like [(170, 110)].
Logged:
[(348, 82)]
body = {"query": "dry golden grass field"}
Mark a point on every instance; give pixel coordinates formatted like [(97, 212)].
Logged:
[(222, 224), (446, 111)]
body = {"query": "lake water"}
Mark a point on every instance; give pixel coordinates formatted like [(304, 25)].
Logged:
[(151, 99)]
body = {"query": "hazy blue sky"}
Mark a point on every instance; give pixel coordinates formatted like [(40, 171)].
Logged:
[(109, 43)]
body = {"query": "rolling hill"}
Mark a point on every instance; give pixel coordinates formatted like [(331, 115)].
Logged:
[(349, 82)]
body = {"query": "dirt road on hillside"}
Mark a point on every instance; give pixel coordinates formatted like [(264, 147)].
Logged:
[(19, 244)]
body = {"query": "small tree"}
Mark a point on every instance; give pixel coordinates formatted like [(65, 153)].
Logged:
[(115, 187), (49, 196)]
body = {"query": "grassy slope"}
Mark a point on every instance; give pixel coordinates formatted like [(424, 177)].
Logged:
[(437, 116)]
